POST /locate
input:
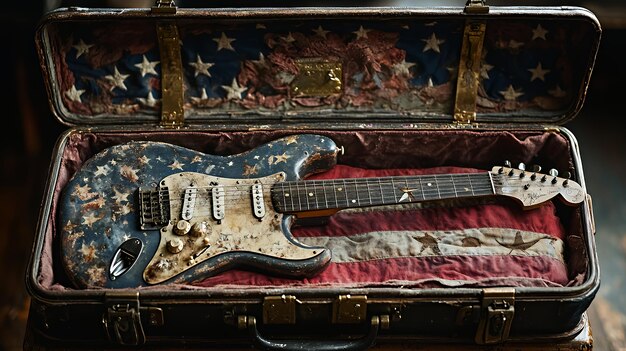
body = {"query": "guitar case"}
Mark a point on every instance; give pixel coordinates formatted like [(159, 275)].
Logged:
[(314, 95)]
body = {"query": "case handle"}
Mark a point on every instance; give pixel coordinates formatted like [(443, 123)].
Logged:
[(293, 345)]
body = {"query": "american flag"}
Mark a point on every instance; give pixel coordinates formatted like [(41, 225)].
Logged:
[(528, 67)]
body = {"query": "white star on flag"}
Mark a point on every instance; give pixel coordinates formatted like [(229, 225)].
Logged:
[(361, 33), (81, 48), (289, 38), (557, 92), (321, 32), (539, 33), (102, 171), (74, 94), (510, 93), (176, 165), (538, 73), (149, 100), (223, 42), (484, 70), (433, 43), (117, 79), (234, 91), (147, 67), (403, 68), (201, 67), (203, 96)]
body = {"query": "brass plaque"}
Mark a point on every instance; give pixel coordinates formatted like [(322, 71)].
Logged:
[(317, 78)]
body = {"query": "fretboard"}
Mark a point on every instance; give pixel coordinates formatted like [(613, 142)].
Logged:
[(313, 195)]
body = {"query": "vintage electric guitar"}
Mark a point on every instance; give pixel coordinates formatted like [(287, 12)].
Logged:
[(145, 213)]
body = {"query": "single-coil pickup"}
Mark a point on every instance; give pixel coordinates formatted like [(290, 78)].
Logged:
[(189, 202), (258, 203), (217, 201)]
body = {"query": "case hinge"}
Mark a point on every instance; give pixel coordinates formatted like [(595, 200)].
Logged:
[(164, 7), (350, 309), (468, 78), (496, 317), (279, 309), (172, 89), (122, 318), (476, 7)]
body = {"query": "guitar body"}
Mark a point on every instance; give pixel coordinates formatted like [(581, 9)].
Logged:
[(145, 213)]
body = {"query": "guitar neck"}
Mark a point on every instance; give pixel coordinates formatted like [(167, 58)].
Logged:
[(316, 195)]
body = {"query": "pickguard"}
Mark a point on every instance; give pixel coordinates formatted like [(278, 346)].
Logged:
[(238, 231)]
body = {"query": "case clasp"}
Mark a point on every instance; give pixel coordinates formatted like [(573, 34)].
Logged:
[(279, 309), (497, 314), (350, 309), (476, 7), (122, 318)]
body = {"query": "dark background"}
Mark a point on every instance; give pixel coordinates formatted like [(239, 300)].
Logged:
[(28, 132)]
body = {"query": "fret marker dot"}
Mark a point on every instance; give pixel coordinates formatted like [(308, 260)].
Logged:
[(430, 184), (339, 189), (466, 189), (286, 194), (353, 201), (310, 194)]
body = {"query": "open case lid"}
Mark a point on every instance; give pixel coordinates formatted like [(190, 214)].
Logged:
[(354, 65)]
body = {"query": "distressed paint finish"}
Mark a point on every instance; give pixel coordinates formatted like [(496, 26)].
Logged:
[(99, 208)]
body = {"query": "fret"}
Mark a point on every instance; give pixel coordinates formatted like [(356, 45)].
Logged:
[(470, 184), (325, 197), (283, 195), (356, 192), (382, 193), (306, 196), (296, 193), (437, 185), (334, 185), (315, 194), (395, 195), (345, 192), (456, 194), (369, 194)]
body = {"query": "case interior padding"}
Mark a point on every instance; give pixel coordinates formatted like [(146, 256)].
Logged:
[(403, 246)]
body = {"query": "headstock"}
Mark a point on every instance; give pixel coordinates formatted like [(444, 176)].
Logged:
[(533, 188)]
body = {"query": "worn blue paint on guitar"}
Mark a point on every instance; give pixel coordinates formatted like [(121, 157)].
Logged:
[(99, 209)]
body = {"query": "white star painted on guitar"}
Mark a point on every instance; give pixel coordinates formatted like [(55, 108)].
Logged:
[(89, 251), (81, 48), (90, 219), (117, 79), (433, 43), (257, 157), (74, 94), (321, 32), (230, 164), (120, 196), (223, 42), (147, 67), (83, 192), (196, 159), (113, 162), (125, 237), (144, 160), (176, 165), (124, 209), (201, 67), (129, 173)]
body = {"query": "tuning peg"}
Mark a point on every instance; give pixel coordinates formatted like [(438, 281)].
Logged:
[(522, 168), (567, 176), (554, 173), (507, 163), (536, 169)]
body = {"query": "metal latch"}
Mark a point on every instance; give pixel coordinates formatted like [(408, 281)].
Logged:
[(164, 7), (122, 318), (279, 309), (350, 309), (592, 219), (476, 7), (497, 312)]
